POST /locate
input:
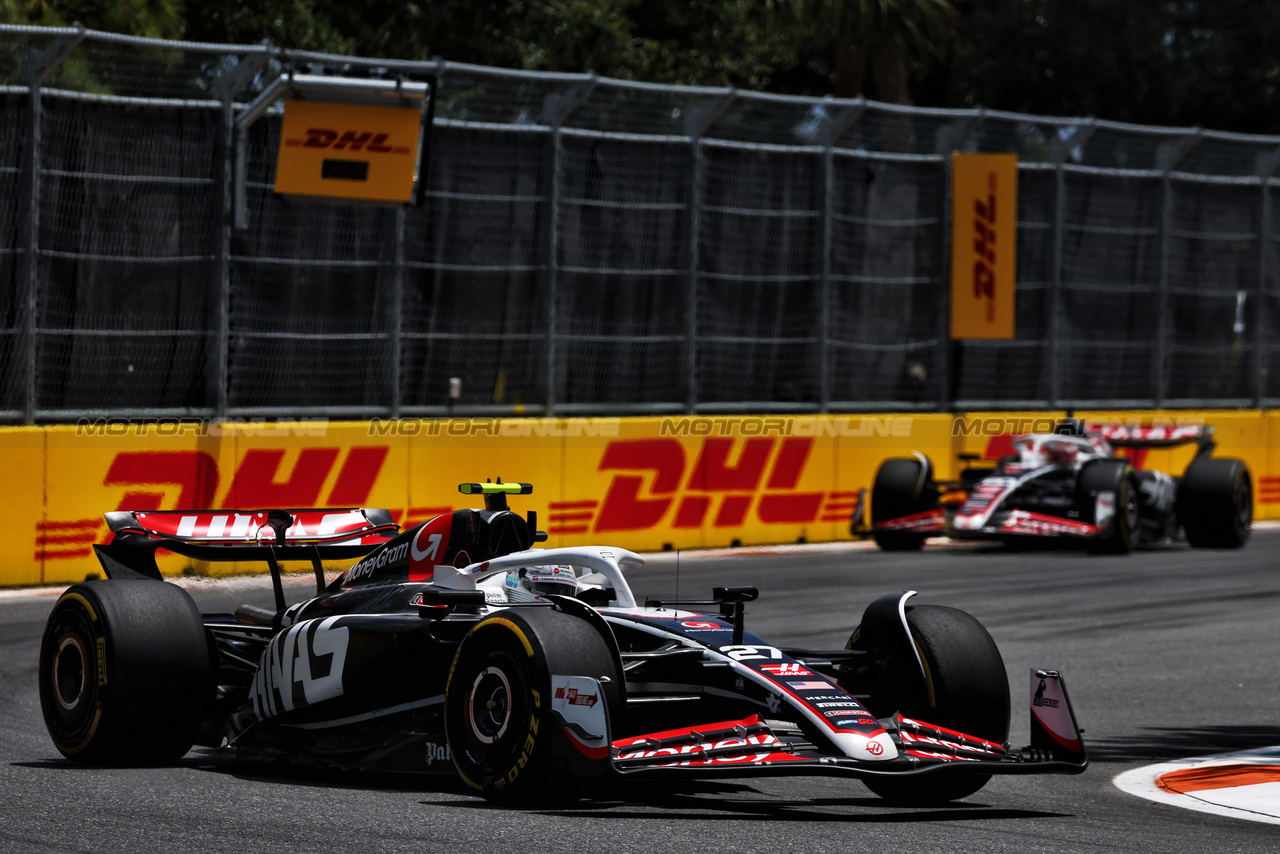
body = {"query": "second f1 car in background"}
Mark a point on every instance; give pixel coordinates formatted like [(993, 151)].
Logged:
[(1069, 484)]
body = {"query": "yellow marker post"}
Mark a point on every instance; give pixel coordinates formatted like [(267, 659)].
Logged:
[(984, 236)]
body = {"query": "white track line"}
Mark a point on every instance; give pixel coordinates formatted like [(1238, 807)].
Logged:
[(1254, 802)]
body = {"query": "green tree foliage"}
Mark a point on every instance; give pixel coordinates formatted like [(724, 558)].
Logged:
[(298, 24), (1215, 63), (695, 42), (161, 19), (883, 42), (713, 43)]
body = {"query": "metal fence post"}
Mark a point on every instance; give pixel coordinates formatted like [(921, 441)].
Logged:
[(556, 110), (1266, 169), (946, 361), (836, 128), (697, 122), (1062, 150), (36, 68), (1167, 159), (397, 312), (227, 85)]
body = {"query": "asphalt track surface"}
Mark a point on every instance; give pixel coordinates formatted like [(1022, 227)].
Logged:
[(1166, 653)]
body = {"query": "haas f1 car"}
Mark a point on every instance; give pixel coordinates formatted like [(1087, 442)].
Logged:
[(1070, 484), (456, 646)]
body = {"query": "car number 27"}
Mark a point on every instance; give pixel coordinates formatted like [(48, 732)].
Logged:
[(750, 653)]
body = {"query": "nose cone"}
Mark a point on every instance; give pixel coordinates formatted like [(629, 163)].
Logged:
[(858, 746)]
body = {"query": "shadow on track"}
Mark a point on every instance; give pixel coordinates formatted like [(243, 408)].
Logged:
[(1165, 743), (692, 800), (713, 801), (285, 774)]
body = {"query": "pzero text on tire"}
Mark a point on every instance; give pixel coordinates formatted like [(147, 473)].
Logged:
[(124, 673)]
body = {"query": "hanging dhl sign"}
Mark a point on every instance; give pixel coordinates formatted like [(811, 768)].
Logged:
[(353, 152), (984, 235)]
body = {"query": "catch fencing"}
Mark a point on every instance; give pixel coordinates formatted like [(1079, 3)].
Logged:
[(588, 245)]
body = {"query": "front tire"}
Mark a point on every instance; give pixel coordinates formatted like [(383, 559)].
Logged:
[(125, 675), (1116, 477), (903, 486), (965, 688), (498, 719), (1215, 503)]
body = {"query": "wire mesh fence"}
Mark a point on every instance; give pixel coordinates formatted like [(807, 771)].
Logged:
[(591, 245)]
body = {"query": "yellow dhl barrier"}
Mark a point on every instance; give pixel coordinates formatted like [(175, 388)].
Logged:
[(641, 483)]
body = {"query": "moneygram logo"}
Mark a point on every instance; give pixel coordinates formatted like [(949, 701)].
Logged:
[(723, 482)]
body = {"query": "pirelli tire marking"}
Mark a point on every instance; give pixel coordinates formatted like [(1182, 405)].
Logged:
[(99, 677), (530, 739), (530, 742)]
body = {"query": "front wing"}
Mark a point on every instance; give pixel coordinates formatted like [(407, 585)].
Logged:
[(757, 747), (1012, 523)]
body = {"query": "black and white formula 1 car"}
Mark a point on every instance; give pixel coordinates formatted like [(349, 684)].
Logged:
[(454, 645), (1069, 484)]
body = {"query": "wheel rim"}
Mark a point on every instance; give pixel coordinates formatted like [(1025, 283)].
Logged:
[(1244, 503), (1130, 508), (489, 705), (69, 666)]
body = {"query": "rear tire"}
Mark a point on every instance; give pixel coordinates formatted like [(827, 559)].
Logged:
[(498, 719), (903, 486), (966, 689), (1215, 503), (1115, 476), (125, 676)]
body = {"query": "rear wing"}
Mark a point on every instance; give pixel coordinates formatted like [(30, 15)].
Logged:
[(239, 528), (242, 535), (1157, 437)]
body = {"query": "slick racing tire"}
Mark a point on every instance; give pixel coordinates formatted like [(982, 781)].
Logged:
[(964, 688), (498, 716), (903, 486), (1113, 476), (125, 674), (1214, 504)]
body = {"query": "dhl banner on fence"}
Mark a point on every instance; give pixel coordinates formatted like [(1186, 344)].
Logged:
[(641, 483), (984, 236)]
